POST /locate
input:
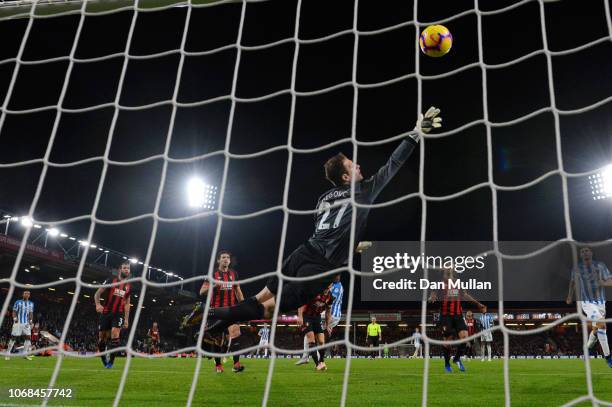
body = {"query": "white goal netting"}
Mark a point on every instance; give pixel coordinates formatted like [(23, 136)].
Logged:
[(86, 9)]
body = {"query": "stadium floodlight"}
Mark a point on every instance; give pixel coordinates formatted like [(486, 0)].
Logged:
[(26, 222), (83, 242), (72, 238), (200, 194), (53, 232), (7, 216), (63, 235), (101, 249), (601, 184), (37, 226), (105, 251), (93, 246), (133, 261)]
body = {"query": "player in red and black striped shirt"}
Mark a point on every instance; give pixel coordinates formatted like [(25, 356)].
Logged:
[(115, 312), (154, 338), (226, 294), (451, 317), (309, 316)]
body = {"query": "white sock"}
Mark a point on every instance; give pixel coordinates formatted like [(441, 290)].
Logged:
[(489, 350), (482, 348), (26, 345), (592, 340), (305, 354), (10, 345), (603, 341)]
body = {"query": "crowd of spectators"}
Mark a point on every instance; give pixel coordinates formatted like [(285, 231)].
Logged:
[(82, 334)]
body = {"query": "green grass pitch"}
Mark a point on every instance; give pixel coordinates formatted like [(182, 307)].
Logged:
[(382, 382)]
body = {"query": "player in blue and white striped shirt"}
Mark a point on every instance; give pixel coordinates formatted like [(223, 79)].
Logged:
[(589, 279), (23, 314), (337, 291), (264, 337), (486, 323)]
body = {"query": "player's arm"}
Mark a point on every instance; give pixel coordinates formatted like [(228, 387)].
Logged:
[(570, 289), (126, 312), (605, 279), (204, 288), (97, 296), (238, 292), (425, 124), (14, 313), (473, 300), (328, 318), (31, 315), (300, 319), (379, 332)]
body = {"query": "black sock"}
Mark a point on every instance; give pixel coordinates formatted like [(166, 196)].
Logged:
[(217, 361), (115, 342), (245, 311), (321, 355), (235, 347), (446, 355), (460, 351), (102, 348), (314, 353)]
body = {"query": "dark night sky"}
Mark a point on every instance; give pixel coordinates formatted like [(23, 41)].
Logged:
[(521, 152)]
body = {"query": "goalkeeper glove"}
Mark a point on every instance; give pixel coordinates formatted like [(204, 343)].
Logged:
[(427, 122)]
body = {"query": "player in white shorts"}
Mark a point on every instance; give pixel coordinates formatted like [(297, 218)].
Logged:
[(264, 337), (418, 349), (486, 323), (23, 314), (588, 280)]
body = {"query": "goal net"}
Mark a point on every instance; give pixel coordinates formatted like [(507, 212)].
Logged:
[(144, 92)]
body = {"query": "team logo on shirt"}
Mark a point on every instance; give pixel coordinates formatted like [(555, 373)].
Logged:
[(119, 293)]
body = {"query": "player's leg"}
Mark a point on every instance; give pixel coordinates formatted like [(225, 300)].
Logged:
[(15, 334), (234, 347), (447, 335), (311, 341), (321, 341), (462, 334), (115, 336), (304, 359), (26, 334)]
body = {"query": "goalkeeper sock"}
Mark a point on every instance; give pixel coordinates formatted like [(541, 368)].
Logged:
[(603, 341), (446, 355), (115, 342), (460, 351), (592, 340), (321, 355), (245, 311), (314, 354), (235, 347), (217, 362)]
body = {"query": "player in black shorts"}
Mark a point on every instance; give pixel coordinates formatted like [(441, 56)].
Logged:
[(309, 316), (328, 247), (115, 313), (451, 323)]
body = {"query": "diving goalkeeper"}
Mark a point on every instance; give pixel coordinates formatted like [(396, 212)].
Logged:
[(328, 247)]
